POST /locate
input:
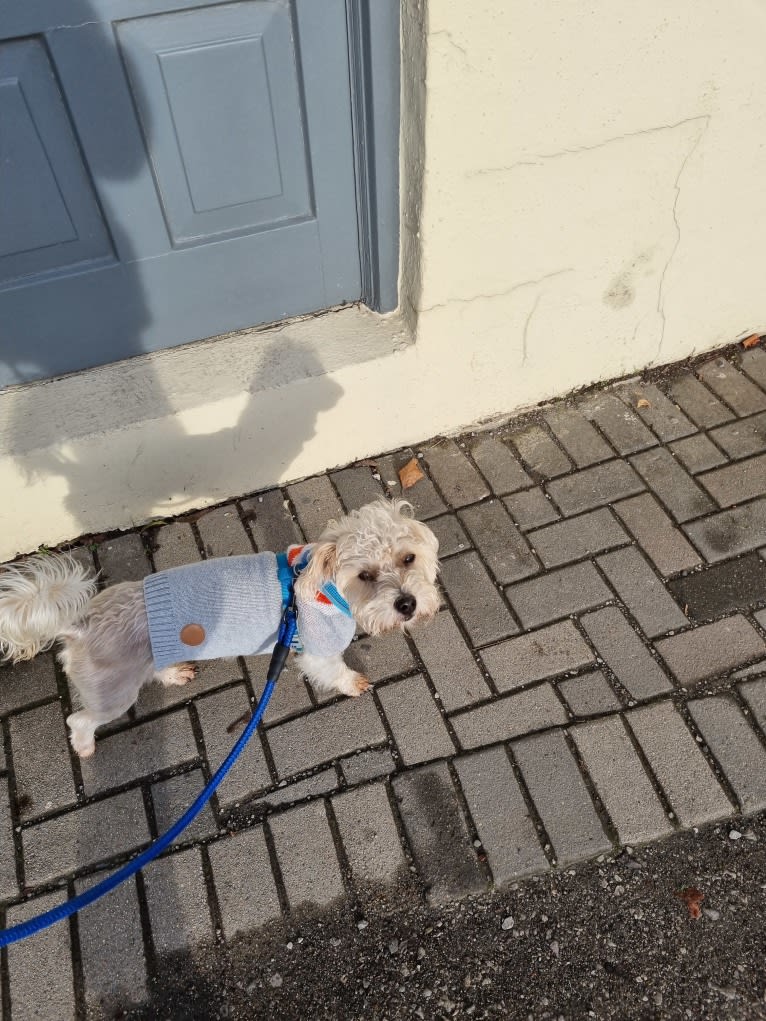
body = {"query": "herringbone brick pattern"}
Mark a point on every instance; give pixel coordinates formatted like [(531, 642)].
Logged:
[(596, 677)]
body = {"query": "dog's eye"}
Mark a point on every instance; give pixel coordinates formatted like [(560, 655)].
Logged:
[(365, 576), (409, 559)]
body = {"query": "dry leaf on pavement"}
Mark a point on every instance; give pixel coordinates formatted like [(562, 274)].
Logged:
[(643, 403), (692, 898), (410, 474), (752, 340)]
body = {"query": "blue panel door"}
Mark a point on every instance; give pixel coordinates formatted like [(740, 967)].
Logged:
[(169, 173)]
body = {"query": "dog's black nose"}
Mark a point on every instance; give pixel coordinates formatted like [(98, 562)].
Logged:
[(405, 604)]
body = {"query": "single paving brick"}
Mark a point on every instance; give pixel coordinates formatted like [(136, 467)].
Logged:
[(40, 969), (540, 452), (531, 508), (589, 694), (678, 763), (450, 663), (315, 504), (501, 817), (545, 653), (8, 882), (711, 650), (624, 653), (558, 594), (577, 537), (174, 545), (594, 487), (735, 746), (84, 556), (698, 453), (665, 418), (357, 486), (642, 592), (416, 723), (737, 482), (112, 949), (123, 558), (325, 734), (620, 780), (725, 380), (306, 856), (754, 693), (270, 521), (753, 362), (367, 765), (534, 709), (741, 439), (41, 761), (222, 532), (698, 402), (369, 836), (450, 533), (382, 656), (454, 474), (503, 547), (172, 797), (478, 603), (625, 431), (580, 440), (676, 489), (27, 682), (437, 833), (287, 793), (659, 538), (423, 496), (250, 773), (137, 752), (560, 797), (177, 899), (730, 532), (244, 882), (733, 585), (499, 466), (84, 836)]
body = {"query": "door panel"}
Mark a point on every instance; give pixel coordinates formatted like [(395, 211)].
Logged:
[(218, 174), (184, 172)]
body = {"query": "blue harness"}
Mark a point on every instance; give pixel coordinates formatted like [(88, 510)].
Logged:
[(287, 574)]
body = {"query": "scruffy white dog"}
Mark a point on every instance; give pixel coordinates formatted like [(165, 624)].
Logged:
[(375, 568)]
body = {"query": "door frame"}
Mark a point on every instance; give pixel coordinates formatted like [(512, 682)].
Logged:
[(374, 68)]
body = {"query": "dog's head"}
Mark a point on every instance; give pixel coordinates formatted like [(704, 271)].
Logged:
[(383, 561)]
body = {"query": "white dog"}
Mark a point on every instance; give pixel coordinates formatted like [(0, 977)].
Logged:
[(375, 568)]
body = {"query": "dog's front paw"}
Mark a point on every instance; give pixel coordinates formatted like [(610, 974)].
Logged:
[(355, 685)]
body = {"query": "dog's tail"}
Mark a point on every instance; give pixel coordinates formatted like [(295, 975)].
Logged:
[(39, 599)]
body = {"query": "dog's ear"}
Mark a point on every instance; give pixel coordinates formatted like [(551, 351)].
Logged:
[(320, 569)]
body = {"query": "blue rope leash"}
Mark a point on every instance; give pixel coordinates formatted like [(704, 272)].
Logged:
[(18, 932)]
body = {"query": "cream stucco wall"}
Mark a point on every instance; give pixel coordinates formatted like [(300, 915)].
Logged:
[(581, 197)]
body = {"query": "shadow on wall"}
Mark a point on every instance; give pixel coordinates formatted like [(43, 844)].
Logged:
[(177, 459)]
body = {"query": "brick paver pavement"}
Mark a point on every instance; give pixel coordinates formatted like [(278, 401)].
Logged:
[(596, 676)]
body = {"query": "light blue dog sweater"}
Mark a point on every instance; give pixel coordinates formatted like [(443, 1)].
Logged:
[(237, 601)]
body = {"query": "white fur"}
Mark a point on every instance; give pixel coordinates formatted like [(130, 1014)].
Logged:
[(106, 650), (39, 600)]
